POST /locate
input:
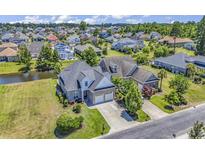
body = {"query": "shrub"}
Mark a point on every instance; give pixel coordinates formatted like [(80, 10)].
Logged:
[(67, 123), (197, 80), (77, 109)]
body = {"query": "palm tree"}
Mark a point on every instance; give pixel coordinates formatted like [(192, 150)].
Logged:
[(162, 74), (198, 131)]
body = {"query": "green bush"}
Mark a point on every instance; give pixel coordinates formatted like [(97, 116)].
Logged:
[(77, 109), (67, 123)]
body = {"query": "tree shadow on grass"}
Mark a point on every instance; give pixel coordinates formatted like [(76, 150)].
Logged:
[(62, 134)]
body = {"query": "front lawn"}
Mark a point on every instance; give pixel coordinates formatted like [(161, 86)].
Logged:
[(142, 116), (30, 110), (195, 94)]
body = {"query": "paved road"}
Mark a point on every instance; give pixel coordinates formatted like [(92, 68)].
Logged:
[(177, 123), (153, 111)]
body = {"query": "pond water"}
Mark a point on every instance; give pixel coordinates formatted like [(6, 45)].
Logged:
[(24, 77)]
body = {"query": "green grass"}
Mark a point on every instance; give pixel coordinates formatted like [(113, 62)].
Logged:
[(92, 124), (186, 51), (142, 116), (30, 110), (195, 94), (14, 67), (112, 53)]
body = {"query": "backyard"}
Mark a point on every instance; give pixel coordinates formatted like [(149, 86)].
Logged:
[(195, 94), (14, 67), (30, 110)]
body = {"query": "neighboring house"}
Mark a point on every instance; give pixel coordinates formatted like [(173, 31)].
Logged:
[(140, 36), (35, 48), (73, 40), (8, 45), (85, 36), (179, 42), (52, 38), (190, 46), (9, 55), (111, 39), (127, 42), (104, 34), (125, 67), (17, 38), (81, 48), (38, 38), (6, 37), (64, 51), (89, 84), (178, 63), (155, 36)]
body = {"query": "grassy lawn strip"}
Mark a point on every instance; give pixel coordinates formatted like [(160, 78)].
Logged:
[(142, 116), (15, 67), (112, 53), (30, 110), (195, 94), (186, 51)]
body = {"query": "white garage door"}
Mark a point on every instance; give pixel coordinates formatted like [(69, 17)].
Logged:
[(109, 97), (99, 99)]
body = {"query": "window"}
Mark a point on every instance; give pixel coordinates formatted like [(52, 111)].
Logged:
[(86, 83)]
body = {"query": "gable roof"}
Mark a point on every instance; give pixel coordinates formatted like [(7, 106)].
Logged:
[(142, 76), (178, 60), (35, 47), (124, 64), (77, 72), (8, 52), (8, 45), (170, 40)]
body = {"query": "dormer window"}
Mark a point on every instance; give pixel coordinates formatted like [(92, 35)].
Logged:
[(86, 83), (113, 68)]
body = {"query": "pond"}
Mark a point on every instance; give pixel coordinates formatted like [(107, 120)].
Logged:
[(24, 77)]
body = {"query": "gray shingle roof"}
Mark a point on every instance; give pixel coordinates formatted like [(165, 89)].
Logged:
[(77, 71), (35, 47), (142, 76), (177, 60), (124, 65)]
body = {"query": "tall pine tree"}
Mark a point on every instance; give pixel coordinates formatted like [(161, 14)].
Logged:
[(201, 37)]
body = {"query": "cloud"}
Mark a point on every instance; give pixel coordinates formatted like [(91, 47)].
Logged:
[(61, 18), (119, 16), (32, 19), (133, 21)]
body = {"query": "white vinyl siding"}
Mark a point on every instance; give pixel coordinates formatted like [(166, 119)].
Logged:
[(109, 97)]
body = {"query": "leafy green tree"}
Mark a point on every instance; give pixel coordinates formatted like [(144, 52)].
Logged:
[(180, 84), (176, 29), (173, 98), (141, 58), (83, 25), (90, 56), (48, 59), (191, 70), (25, 58), (133, 99), (105, 51), (96, 32), (201, 37), (67, 123), (146, 50), (162, 74), (198, 131)]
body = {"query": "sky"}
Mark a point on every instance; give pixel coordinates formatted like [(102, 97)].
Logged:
[(98, 19)]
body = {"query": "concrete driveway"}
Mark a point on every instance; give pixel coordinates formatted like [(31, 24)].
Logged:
[(115, 116), (153, 111)]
